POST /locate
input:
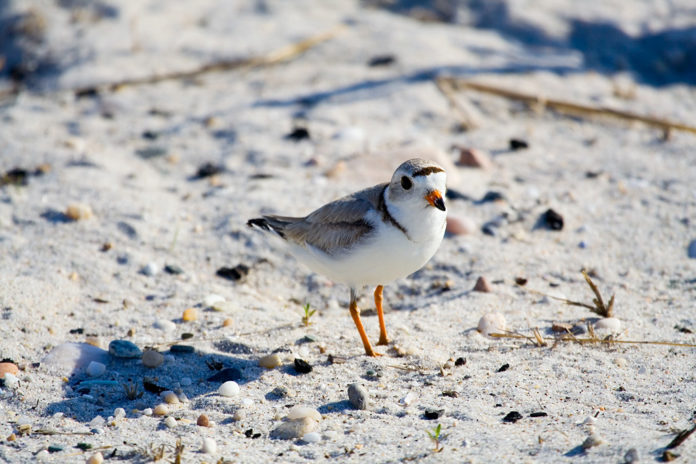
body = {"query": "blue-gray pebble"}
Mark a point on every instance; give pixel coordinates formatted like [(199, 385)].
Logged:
[(124, 349)]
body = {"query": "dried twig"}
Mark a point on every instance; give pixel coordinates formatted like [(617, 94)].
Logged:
[(681, 436), (593, 339), (567, 107)]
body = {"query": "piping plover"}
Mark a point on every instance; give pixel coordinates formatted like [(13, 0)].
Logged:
[(373, 236)]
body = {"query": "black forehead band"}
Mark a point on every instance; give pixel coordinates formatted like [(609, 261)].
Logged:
[(428, 170)]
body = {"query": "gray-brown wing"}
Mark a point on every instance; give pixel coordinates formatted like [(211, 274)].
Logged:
[(335, 226)]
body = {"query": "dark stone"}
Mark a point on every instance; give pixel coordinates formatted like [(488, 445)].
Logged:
[(16, 176), (186, 335), (302, 366), (84, 446), (124, 349), (233, 273), (504, 367), (460, 361), (512, 417), (208, 170), (520, 281), (151, 152), (79, 330), (55, 448), (381, 60), (153, 387), (453, 194), (181, 349), (231, 373), (297, 134), (490, 196), (518, 144), (127, 229), (173, 269), (432, 414), (249, 433), (149, 135), (450, 394), (538, 414), (553, 220)]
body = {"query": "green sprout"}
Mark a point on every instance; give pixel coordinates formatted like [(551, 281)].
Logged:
[(307, 315), (435, 437)]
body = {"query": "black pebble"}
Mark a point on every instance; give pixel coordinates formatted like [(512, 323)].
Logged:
[(208, 170), (432, 414), (79, 330), (518, 144), (538, 414), (231, 373), (181, 349), (89, 92), (153, 387), (83, 446), (127, 229), (151, 152), (460, 362), (173, 269), (381, 60), (302, 366), (149, 135), (504, 367), (250, 434), (233, 273), (16, 176), (55, 448), (553, 220), (186, 335), (491, 195), (297, 134), (512, 416), (520, 281)]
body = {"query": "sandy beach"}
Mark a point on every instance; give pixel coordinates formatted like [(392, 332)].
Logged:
[(137, 139)]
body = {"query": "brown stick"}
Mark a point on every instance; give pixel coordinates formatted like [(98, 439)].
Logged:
[(597, 340), (567, 107)]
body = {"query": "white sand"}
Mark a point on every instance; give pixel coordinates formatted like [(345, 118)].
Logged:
[(635, 219)]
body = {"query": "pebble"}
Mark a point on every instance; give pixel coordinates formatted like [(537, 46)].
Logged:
[(553, 220), (185, 381), (203, 421), (95, 369), (233, 273), (592, 441), (512, 417), (294, 429), (160, 410), (96, 458), (124, 349), (270, 361), (181, 349), (631, 456), (147, 412), (482, 285), (473, 158), (460, 226), (152, 358), (227, 322), (209, 446), (300, 412), (11, 381), (432, 414), (213, 301), (119, 413), (164, 325), (311, 437), (229, 389), (408, 399), (170, 422), (78, 211), (173, 269), (491, 323), (230, 373), (190, 314), (608, 326), (169, 397), (68, 357), (518, 144), (283, 392), (54, 448), (8, 368), (691, 251), (302, 366), (358, 396), (150, 269)]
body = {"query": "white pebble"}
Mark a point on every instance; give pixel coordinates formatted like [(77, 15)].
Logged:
[(185, 381), (42, 455), (170, 422), (209, 446), (330, 435), (119, 412), (608, 325), (408, 399), (164, 325), (95, 369), (147, 411), (312, 437), (150, 269), (229, 388), (491, 323), (11, 381), (300, 412), (98, 421), (213, 300)]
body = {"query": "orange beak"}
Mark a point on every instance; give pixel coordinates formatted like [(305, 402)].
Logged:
[(435, 199)]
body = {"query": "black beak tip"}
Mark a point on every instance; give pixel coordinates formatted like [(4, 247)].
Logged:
[(440, 204)]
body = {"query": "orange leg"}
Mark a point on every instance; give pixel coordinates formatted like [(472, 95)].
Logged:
[(383, 339), (355, 313)]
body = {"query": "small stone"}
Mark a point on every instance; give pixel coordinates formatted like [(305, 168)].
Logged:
[(358, 396), (293, 429), (233, 273), (147, 412), (150, 269), (213, 301), (124, 349), (473, 158), (592, 441), (512, 417), (691, 250), (230, 373), (311, 437), (538, 414), (227, 322), (54, 449), (491, 323), (631, 456), (553, 220), (482, 285), (95, 369), (408, 399), (119, 413), (173, 269), (203, 421), (459, 226), (607, 326), (209, 446), (181, 349), (270, 361), (433, 414), (297, 134), (8, 368), (302, 366), (229, 389), (152, 359), (460, 361), (96, 458), (518, 144), (283, 392), (189, 315), (170, 422), (160, 410), (11, 437), (170, 397), (503, 368), (78, 211), (300, 412)]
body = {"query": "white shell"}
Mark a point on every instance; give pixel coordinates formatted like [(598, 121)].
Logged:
[(491, 323)]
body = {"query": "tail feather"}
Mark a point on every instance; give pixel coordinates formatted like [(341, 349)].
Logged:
[(268, 223)]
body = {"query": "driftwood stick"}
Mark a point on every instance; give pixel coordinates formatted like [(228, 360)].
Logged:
[(567, 107)]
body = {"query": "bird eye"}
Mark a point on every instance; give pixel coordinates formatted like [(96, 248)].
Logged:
[(406, 183)]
